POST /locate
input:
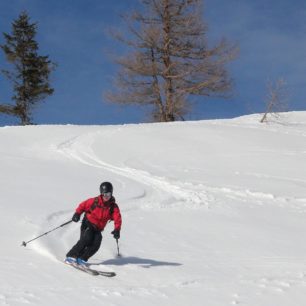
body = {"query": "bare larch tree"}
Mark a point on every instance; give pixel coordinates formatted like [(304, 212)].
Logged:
[(276, 100), (170, 59)]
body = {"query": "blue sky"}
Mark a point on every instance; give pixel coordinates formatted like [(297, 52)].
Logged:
[(271, 35)]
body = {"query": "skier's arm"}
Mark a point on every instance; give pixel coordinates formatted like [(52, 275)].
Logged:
[(84, 206), (117, 218), (80, 209)]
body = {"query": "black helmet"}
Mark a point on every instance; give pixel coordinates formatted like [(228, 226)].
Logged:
[(106, 187)]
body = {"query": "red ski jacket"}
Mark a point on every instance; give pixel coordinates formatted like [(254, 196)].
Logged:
[(99, 212)]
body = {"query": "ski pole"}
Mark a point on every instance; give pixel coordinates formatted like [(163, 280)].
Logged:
[(118, 248), (25, 243)]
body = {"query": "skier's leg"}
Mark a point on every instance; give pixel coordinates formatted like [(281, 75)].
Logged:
[(86, 239), (93, 248)]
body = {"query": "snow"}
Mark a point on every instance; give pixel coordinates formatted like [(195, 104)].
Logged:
[(213, 212)]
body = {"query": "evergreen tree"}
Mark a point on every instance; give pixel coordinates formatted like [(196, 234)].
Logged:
[(30, 73), (170, 59)]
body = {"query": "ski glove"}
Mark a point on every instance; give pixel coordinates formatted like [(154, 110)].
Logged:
[(116, 233), (75, 217)]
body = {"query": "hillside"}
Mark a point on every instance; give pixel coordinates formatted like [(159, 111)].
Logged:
[(213, 212)]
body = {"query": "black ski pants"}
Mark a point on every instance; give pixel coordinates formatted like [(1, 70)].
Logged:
[(89, 242)]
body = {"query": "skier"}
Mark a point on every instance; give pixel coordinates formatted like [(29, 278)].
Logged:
[(98, 211)]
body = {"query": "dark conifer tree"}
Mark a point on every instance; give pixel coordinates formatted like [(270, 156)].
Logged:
[(30, 73)]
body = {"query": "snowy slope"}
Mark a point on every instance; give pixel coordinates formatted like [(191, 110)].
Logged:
[(213, 212)]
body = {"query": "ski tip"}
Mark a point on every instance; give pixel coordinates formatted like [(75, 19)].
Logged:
[(107, 274)]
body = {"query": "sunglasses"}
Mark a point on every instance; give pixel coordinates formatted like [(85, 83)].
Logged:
[(107, 195)]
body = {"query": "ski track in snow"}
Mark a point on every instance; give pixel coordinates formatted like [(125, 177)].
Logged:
[(188, 195), (80, 149)]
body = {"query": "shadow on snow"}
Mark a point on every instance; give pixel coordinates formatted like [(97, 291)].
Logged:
[(143, 262)]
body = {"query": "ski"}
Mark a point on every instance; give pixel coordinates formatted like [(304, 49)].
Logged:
[(104, 273), (84, 269), (107, 274), (92, 271)]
